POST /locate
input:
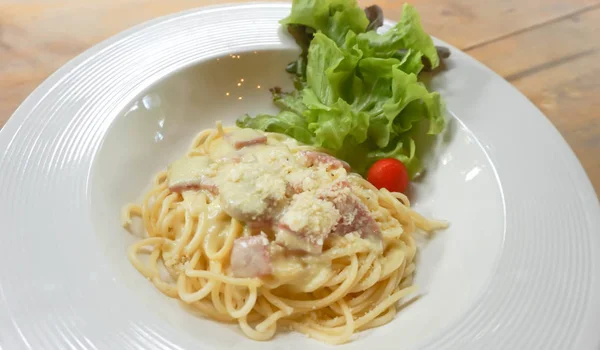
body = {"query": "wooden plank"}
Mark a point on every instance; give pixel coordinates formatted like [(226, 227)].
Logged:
[(547, 47), (533, 51), (467, 23), (556, 67), (568, 95), (37, 37)]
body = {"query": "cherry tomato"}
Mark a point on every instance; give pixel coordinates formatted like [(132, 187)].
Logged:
[(389, 173)]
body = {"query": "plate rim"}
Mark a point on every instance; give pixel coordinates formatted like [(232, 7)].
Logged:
[(9, 133)]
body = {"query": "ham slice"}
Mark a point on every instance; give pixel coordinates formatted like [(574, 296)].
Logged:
[(312, 158), (250, 257), (196, 185), (354, 214), (241, 138), (252, 192), (306, 223), (296, 241), (191, 174)]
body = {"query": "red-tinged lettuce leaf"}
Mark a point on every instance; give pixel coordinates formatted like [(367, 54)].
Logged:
[(375, 16)]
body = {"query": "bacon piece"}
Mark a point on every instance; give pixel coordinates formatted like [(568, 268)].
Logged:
[(257, 141), (252, 192), (195, 185), (250, 257), (354, 214), (191, 174), (356, 218), (245, 137), (296, 242), (306, 223), (315, 158)]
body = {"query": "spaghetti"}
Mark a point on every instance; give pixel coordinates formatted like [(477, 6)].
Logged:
[(342, 282)]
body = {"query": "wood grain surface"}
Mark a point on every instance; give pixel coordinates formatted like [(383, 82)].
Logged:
[(549, 49)]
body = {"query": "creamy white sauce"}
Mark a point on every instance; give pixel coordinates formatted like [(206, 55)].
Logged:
[(299, 198)]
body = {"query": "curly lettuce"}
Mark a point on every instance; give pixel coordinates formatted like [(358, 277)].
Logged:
[(358, 93)]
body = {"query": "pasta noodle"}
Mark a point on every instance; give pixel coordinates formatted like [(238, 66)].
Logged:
[(351, 286)]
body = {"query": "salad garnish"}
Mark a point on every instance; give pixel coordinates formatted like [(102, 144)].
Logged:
[(357, 92)]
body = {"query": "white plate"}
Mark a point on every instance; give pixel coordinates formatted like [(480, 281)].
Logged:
[(518, 269)]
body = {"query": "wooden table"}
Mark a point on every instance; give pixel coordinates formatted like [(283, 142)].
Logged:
[(549, 49)]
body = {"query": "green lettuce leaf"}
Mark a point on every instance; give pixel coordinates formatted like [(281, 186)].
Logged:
[(410, 103), (347, 17), (412, 62), (408, 34), (404, 149), (288, 101), (285, 122), (330, 69), (357, 92), (333, 124), (334, 18), (310, 13)]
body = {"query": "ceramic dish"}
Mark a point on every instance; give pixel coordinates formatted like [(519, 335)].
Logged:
[(519, 268)]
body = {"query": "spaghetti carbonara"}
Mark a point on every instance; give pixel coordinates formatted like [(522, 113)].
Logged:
[(256, 229)]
